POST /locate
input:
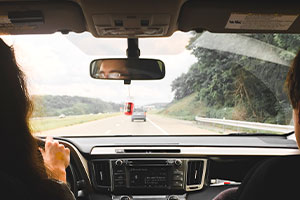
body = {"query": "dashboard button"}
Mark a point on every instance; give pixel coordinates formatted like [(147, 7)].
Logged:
[(120, 176), (177, 178), (117, 173), (177, 172), (120, 171), (119, 183), (177, 183)]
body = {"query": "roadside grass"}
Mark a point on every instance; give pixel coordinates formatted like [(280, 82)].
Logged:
[(189, 107), (185, 109), (218, 128), (48, 123)]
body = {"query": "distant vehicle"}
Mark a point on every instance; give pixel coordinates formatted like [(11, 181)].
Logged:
[(62, 116), (138, 114)]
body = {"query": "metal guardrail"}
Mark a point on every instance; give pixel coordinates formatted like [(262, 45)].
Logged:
[(248, 125)]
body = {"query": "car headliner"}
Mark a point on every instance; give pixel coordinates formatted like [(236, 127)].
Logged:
[(155, 18)]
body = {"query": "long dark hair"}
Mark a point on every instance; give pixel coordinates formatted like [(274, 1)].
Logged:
[(18, 148)]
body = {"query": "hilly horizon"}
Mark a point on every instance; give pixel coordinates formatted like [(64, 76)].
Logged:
[(55, 105)]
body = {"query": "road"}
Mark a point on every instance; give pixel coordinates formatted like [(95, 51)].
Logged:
[(122, 125)]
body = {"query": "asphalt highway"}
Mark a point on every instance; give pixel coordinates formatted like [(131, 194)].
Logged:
[(122, 125)]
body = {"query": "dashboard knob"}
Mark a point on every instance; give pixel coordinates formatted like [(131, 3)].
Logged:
[(119, 162), (173, 197), (125, 198), (178, 162)]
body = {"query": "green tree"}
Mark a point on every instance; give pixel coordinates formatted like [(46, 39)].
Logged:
[(224, 79)]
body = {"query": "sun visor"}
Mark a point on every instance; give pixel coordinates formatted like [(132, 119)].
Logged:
[(40, 18), (240, 17)]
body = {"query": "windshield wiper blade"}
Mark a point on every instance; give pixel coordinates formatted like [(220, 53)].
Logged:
[(289, 133), (256, 134)]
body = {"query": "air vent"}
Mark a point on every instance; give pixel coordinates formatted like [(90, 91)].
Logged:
[(102, 173), (151, 151), (195, 171)]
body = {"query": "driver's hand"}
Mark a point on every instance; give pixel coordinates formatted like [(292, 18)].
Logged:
[(56, 159)]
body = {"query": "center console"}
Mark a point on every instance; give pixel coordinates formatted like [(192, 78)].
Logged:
[(161, 178)]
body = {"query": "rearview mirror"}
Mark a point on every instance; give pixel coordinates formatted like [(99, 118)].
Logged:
[(127, 69)]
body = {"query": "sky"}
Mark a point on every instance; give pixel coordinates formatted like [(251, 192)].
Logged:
[(58, 64)]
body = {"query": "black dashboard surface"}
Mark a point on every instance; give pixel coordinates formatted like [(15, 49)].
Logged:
[(233, 168), (85, 144)]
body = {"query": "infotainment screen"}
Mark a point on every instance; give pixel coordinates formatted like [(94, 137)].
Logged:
[(149, 177)]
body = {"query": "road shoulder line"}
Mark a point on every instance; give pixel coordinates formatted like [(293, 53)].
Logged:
[(158, 127)]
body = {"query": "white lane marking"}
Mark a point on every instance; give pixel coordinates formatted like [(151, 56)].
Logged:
[(107, 132), (158, 127)]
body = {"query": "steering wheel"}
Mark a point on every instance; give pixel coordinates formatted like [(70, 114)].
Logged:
[(70, 171), (72, 179)]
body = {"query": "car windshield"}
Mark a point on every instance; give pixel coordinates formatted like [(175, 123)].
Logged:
[(214, 84), (138, 110)]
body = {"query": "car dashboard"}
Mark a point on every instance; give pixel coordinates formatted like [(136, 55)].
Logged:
[(166, 167)]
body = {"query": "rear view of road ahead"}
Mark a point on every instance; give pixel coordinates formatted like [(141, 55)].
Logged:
[(122, 125)]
